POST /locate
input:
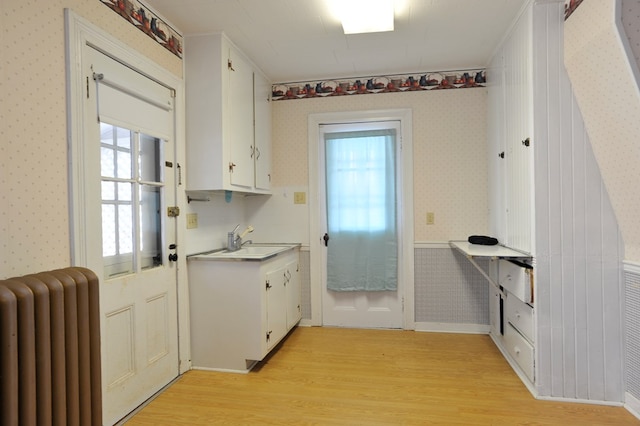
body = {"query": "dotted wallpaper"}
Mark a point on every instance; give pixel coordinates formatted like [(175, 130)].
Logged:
[(602, 81), (34, 219), (450, 153)]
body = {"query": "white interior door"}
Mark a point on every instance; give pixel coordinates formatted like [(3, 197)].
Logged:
[(371, 296), (130, 185)]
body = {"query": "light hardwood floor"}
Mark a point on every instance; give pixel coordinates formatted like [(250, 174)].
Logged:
[(333, 376)]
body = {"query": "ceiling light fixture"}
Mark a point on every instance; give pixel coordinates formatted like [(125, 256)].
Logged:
[(366, 16)]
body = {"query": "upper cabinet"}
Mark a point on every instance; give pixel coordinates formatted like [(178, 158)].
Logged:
[(511, 135), (228, 118)]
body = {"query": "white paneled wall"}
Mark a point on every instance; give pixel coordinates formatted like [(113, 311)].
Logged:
[(518, 157), (576, 242), (579, 247)]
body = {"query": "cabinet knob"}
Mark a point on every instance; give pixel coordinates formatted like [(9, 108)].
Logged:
[(231, 166)]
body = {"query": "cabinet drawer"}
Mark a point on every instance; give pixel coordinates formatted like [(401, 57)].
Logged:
[(520, 350), (516, 279), (520, 315)]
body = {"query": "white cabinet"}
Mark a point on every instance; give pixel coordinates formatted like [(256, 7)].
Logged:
[(512, 315), (293, 293), (262, 155), (228, 118), (240, 310)]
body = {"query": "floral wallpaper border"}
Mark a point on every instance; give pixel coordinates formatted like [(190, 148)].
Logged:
[(147, 22), (570, 6), (380, 84)]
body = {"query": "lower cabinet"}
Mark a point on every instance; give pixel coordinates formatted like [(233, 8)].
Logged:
[(520, 350), (512, 320), (240, 310)]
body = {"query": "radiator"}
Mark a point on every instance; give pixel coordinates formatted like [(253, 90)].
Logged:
[(50, 349)]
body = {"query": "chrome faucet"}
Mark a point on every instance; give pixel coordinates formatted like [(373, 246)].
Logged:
[(234, 242), (232, 239)]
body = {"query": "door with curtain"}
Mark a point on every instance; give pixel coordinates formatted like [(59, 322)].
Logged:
[(359, 185)]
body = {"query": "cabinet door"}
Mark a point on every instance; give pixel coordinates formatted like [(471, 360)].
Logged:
[(495, 303), (239, 135), (276, 307), (294, 310), (262, 132), (518, 96)]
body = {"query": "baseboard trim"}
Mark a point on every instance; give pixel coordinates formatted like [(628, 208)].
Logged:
[(440, 327), (632, 404)]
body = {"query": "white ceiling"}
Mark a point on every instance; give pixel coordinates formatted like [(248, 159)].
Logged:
[(300, 40)]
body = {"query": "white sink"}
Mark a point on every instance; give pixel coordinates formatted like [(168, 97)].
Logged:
[(255, 252)]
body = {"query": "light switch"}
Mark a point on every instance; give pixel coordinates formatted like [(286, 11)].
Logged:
[(299, 198), (192, 220)]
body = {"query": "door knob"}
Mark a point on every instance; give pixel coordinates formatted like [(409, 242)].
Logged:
[(173, 256)]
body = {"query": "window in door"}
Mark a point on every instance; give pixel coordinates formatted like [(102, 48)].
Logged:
[(132, 192), (361, 210)]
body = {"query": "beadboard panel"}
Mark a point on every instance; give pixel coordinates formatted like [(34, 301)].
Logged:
[(632, 321), (577, 245), (518, 159)]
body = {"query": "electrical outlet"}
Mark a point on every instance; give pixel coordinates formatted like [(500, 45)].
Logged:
[(192, 220), (299, 198), (431, 218)]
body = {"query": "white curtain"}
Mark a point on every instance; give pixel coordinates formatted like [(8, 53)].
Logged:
[(362, 254)]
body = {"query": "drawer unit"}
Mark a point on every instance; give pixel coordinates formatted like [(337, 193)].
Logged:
[(520, 350), (517, 279), (520, 315)]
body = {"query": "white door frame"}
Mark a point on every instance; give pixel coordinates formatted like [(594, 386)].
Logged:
[(80, 33), (406, 247)]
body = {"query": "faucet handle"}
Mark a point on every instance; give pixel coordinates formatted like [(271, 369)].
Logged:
[(235, 229)]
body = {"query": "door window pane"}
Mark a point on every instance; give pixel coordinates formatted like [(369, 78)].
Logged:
[(123, 159), (108, 191), (150, 158), (132, 197), (150, 226)]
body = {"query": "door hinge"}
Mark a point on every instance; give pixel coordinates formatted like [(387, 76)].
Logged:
[(267, 286), (269, 335), (173, 211)]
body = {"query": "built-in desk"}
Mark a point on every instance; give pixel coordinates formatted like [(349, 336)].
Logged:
[(511, 308), (473, 251)]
